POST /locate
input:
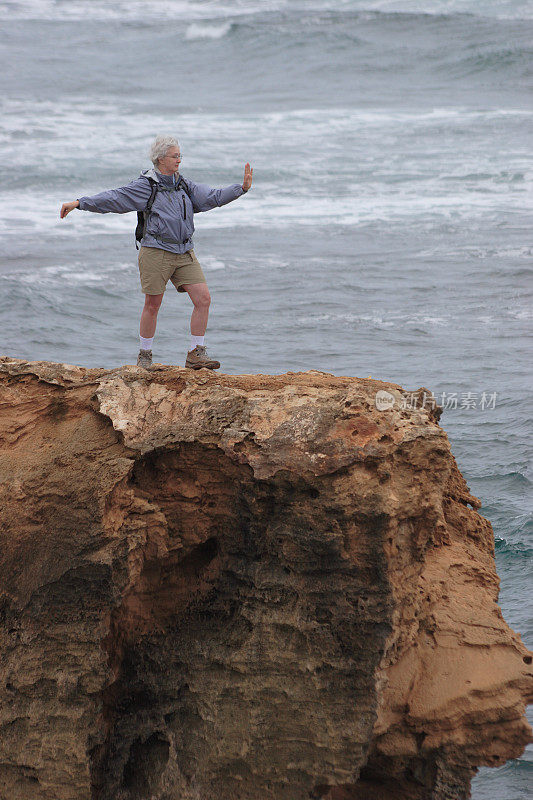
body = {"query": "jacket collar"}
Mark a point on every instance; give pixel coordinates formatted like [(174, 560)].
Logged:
[(156, 176)]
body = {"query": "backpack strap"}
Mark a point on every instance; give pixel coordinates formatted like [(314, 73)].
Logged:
[(175, 187), (142, 216), (182, 184)]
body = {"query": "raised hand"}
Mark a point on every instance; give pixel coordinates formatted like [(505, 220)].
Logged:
[(248, 173)]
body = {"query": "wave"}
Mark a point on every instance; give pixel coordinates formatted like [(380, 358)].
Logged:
[(268, 209), (489, 58), (204, 31), (40, 114), (339, 176), (522, 549), (388, 320), (515, 479), (321, 54), (75, 273), (188, 10)]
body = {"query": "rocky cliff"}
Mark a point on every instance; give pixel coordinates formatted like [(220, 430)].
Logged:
[(253, 587)]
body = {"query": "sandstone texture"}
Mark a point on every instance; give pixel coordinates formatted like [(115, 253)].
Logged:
[(254, 587)]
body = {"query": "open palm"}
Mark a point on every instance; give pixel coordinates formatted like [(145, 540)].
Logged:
[(248, 174)]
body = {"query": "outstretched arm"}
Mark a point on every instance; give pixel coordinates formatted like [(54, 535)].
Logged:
[(132, 197), (204, 197)]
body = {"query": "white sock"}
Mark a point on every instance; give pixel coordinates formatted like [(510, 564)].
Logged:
[(146, 344), (195, 340)]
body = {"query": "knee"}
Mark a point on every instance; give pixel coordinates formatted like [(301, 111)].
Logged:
[(152, 302), (203, 299)]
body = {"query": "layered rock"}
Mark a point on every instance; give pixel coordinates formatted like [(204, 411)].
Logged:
[(243, 587)]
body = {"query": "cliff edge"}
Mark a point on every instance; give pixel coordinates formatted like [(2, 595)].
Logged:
[(253, 587)]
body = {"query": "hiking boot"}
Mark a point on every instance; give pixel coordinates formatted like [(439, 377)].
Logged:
[(144, 359), (198, 358)]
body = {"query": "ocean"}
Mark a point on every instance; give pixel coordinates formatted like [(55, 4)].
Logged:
[(387, 232)]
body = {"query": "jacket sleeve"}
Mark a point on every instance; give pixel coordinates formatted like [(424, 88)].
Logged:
[(204, 197), (132, 197)]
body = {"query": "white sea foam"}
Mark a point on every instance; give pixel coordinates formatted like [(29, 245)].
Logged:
[(148, 10), (329, 168), (22, 213), (389, 320), (212, 264), (521, 313), (142, 10), (409, 319), (481, 253), (74, 273), (501, 9), (93, 129), (43, 116), (309, 168), (202, 31)]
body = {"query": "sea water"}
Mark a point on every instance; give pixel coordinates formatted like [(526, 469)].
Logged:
[(387, 233)]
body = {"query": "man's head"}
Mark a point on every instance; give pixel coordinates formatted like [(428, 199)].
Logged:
[(165, 154)]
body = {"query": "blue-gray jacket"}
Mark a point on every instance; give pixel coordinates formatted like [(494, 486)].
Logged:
[(170, 224)]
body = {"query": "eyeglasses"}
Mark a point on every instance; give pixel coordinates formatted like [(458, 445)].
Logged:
[(178, 157)]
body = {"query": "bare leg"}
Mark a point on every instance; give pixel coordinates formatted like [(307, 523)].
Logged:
[(149, 315), (199, 294)]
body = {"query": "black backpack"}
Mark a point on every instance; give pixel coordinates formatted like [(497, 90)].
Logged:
[(142, 216)]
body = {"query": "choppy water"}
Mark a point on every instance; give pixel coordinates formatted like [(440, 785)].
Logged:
[(388, 232)]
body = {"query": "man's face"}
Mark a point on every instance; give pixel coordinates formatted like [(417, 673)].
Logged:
[(171, 162)]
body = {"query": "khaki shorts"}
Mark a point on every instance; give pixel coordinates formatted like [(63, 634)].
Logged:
[(157, 266)]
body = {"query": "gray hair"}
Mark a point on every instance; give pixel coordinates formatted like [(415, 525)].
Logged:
[(160, 147)]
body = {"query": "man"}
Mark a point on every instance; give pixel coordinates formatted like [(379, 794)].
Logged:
[(166, 246)]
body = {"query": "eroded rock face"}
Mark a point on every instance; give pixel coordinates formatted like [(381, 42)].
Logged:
[(251, 587)]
